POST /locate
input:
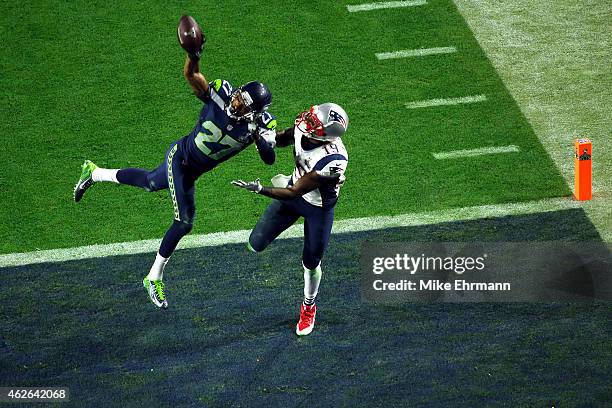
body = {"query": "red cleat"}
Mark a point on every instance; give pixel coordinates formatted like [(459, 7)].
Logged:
[(307, 320)]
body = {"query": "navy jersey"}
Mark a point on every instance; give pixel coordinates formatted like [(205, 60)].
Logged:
[(216, 137)]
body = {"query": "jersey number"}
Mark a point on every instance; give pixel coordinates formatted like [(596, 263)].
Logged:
[(209, 142), (331, 148)]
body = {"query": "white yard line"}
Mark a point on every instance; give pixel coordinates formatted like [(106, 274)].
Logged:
[(340, 227), (448, 101), (455, 154), (352, 8), (421, 52)]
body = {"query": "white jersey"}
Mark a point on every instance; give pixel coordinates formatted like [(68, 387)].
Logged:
[(329, 159)]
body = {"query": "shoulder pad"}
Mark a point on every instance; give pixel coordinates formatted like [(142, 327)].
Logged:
[(267, 120), (222, 88)]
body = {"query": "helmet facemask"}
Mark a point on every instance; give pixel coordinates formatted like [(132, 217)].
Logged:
[(309, 123), (326, 122), (244, 111), (249, 102)]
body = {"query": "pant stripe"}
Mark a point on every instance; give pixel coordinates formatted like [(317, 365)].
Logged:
[(177, 214)]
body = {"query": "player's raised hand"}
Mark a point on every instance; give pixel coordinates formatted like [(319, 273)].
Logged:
[(191, 37), (198, 53), (252, 186)]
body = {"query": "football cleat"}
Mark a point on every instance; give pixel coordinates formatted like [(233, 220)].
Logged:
[(307, 320), (155, 289), (85, 181)]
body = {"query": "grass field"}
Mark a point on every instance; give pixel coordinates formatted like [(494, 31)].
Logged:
[(103, 81), (110, 89)]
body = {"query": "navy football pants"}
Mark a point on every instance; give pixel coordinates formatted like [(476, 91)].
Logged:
[(280, 215), (173, 174)]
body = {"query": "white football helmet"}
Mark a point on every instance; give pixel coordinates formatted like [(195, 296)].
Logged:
[(325, 122)]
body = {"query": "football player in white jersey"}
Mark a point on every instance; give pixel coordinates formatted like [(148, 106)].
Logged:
[(311, 192)]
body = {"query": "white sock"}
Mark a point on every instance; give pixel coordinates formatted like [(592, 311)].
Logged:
[(101, 174), (157, 270), (312, 278)]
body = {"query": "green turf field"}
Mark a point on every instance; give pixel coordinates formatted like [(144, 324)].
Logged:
[(104, 82)]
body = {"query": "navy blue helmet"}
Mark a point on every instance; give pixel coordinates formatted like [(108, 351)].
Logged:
[(249, 101)]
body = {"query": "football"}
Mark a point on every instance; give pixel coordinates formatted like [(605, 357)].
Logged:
[(190, 35)]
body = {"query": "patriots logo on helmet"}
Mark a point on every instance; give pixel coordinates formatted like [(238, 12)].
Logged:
[(336, 117)]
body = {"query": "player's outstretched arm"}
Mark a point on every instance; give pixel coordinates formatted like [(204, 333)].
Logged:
[(285, 137), (304, 185), (196, 79), (265, 149)]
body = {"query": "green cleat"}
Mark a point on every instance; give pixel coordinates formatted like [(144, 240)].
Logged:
[(85, 181), (155, 289)]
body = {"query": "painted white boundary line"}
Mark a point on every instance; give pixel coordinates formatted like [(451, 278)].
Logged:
[(449, 101), (421, 52), (475, 152), (352, 8), (340, 227)]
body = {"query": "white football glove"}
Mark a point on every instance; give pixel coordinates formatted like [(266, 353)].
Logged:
[(252, 186)]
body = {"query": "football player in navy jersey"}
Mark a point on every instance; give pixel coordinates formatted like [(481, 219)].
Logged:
[(229, 121), (311, 192)]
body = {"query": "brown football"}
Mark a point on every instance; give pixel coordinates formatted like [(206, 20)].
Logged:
[(189, 35)]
